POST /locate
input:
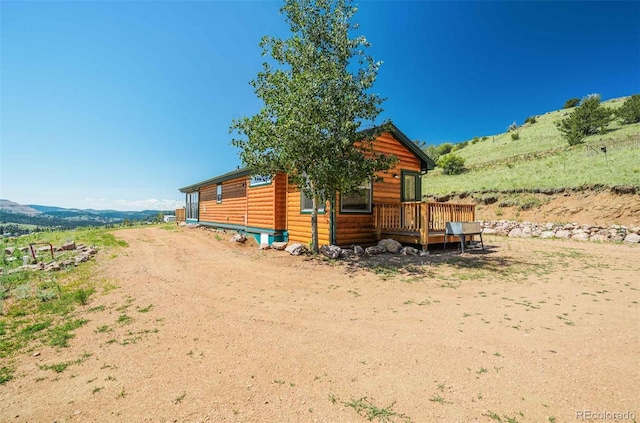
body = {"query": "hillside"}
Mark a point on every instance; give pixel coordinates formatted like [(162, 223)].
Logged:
[(514, 178), (10, 206), (49, 216)]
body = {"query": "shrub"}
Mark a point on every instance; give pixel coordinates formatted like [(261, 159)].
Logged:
[(515, 136), (572, 102), (451, 164), (591, 117), (531, 120), (475, 140), (460, 146), (629, 112), (512, 127), (444, 148)]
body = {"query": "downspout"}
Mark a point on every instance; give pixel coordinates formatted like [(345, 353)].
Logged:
[(332, 220)]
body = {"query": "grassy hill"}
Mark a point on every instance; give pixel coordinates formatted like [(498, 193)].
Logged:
[(541, 159)]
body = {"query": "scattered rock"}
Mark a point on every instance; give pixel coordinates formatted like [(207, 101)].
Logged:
[(295, 249), (346, 253), (581, 236), (564, 234), (547, 234), (332, 251), (489, 231), (279, 245), (67, 246), (390, 245), (240, 238), (264, 246), (410, 251), (424, 253), (632, 238), (375, 250), (53, 266), (358, 250), (515, 233), (9, 251)]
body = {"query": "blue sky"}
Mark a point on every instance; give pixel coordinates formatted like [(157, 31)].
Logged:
[(117, 104)]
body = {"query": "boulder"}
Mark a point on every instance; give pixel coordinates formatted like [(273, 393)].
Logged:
[(67, 246), (332, 251), (390, 245), (279, 245), (581, 236), (599, 238), (53, 266), (346, 253), (410, 251), (489, 231), (358, 250), (632, 238), (515, 233), (240, 238), (9, 251), (547, 234), (549, 226), (564, 234), (375, 250), (295, 249), (24, 249)]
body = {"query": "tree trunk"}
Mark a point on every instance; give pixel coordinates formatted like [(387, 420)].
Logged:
[(314, 222)]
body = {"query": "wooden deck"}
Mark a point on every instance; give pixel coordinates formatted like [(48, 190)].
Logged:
[(419, 223)]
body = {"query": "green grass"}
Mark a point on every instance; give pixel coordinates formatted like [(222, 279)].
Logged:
[(38, 307), (365, 408), (541, 159)]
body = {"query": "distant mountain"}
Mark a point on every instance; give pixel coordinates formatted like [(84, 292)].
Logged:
[(12, 207), (38, 215)]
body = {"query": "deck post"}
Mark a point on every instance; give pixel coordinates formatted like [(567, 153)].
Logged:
[(424, 225), (377, 219)]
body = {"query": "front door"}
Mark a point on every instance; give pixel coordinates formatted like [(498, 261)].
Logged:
[(410, 191), (410, 186)]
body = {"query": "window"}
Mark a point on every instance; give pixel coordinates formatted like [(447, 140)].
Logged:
[(358, 201), (410, 186), (306, 204), (219, 193)]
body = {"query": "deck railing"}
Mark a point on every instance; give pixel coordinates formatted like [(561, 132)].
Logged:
[(180, 215), (415, 216)]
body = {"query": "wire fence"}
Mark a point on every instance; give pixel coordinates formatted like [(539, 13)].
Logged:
[(607, 146)]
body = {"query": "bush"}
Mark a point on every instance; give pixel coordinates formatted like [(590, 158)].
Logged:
[(451, 164), (531, 120), (572, 102), (629, 112), (591, 117), (460, 146), (475, 140), (515, 136), (444, 148), (512, 127)]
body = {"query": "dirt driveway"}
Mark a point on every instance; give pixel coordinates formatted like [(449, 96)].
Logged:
[(189, 327)]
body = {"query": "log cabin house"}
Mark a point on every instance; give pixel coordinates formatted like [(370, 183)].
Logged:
[(271, 209)]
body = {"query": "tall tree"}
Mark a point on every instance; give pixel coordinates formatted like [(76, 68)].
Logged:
[(316, 94)]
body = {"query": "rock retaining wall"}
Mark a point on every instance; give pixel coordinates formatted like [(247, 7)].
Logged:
[(575, 231)]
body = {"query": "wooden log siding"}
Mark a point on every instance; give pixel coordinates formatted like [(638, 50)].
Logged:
[(267, 204), (299, 224), (353, 228), (232, 209)]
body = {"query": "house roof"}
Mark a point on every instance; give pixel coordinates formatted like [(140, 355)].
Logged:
[(216, 180), (426, 163)]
